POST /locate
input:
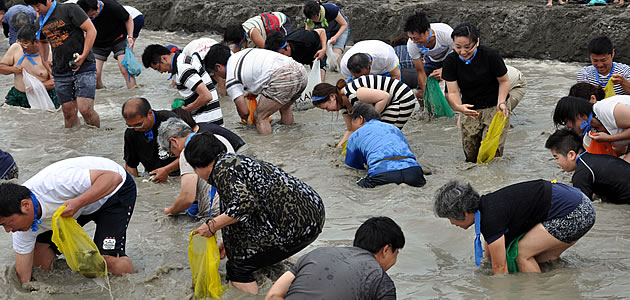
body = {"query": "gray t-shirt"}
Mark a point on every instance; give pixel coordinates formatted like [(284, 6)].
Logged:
[(340, 273)]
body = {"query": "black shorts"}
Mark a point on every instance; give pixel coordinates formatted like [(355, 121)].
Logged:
[(412, 176), (138, 23), (242, 270), (111, 221), (117, 47)]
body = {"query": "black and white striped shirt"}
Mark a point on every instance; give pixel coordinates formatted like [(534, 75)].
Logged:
[(590, 75), (401, 102), (190, 73)]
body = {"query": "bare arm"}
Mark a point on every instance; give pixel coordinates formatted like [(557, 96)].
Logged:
[(279, 289), (129, 26), (103, 183), (455, 100), (422, 77), (241, 107), (90, 36), (44, 50), (205, 96), (7, 64), (348, 119), (132, 171), (214, 225), (257, 38), (497, 254), (161, 174), (377, 97), (24, 266), (504, 89), (186, 195), (343, 26), (322, 39)]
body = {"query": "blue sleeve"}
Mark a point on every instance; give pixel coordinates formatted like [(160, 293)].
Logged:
[(354, 157), (331, 11)]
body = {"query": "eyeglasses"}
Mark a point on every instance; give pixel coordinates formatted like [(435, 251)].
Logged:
[(137, 125)]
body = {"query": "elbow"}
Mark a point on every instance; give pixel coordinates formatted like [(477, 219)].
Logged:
[(499, 267)]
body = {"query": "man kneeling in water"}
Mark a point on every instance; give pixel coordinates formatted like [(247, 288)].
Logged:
[(25, 55)]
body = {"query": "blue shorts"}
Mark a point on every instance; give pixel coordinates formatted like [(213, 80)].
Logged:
[(70, 86), (342, 40), (138, 23)]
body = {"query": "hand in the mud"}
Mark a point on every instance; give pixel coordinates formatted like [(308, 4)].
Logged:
[(466, 109), (437, 74), (160, 175), (167, 211), (601, 137), (419, 94), (221, 247), (618, 79), (71, 208), (320, 54)]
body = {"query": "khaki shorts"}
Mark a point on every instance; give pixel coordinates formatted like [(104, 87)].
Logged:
[(286, 84), (475, 129)]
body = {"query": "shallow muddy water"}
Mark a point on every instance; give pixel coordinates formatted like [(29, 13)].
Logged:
[(437, 260)]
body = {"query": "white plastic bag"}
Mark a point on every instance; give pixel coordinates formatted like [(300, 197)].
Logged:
[(332, 56), (314, 78), (36, 92)]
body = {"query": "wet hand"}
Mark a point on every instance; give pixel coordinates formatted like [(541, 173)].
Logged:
[(167, 211), (221, 247), (618, 79), (466, 109), (130, 42), (79, 60), (437, 74), (320, 54), (204, 230), (419, 94), (601, 137), (71, 208), (160, 175), (332, 40), (502, 107)]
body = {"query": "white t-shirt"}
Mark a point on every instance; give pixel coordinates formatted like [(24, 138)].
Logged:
[(201, 46), (256, 67), (604, 110), (443, 44), (133, 12), (186, 168), (384, 58), (59, 182)]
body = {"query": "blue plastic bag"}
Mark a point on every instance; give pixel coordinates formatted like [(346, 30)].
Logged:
[(133, 66)]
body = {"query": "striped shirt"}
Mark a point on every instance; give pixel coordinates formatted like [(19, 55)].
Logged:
[(401, 102), (257, 22), (190, 73), (590, 75)]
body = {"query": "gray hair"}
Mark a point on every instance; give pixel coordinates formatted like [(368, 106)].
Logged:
[(172, 128), (453, 200), (365, 110), (20, 19)]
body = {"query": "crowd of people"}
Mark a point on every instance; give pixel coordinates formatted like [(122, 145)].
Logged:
[(265, 214)]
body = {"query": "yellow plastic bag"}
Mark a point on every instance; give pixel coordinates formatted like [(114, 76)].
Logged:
[(344, 148), (490, 143), (203, 255), (81, 253), (609, 89)]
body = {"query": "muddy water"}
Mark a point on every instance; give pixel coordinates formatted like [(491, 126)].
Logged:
[(437, 260)]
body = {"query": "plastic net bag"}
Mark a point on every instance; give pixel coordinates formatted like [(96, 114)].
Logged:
[(609, 89), (490, 143), (129, 61), (434, 100), (332, 56), (314, 78), (81, 253), (203, 255), (36, 92)]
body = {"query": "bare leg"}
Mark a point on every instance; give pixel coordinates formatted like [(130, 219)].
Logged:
[(339, 55), (119, 265), (43, 256), (286, 115), (70, 114), (538, 245), (549, 4), (99, 72), (129, 80), (266, 107), (247, 287), (86, 108), (323, 75)]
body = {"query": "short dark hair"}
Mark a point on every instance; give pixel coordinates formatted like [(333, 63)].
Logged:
[(417, 22), (11, 196), (203, 149), (35, 2), (399, 40), (466, 29), (378, 232), (152, 54), (275, 40), (600, 45), (585, 90), (27, 32), (218, 54), (311, 9), (186, 116), (88, 5), (568, 108), (325, 89), (233, 34), (142, 107), (365, 110), (358, 61), (564, 140)]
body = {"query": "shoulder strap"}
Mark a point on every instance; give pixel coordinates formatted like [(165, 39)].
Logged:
[(239, 71)]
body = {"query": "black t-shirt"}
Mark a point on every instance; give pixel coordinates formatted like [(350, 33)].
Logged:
[(110, 24), (138, 148), (62, 29), (234, 139), (604, 175), (477, 81), (304, 45), (514, 209)]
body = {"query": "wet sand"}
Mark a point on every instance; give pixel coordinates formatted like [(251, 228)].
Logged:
[(437, 260)]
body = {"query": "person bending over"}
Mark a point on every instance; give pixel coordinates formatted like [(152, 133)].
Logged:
[(370, 57)]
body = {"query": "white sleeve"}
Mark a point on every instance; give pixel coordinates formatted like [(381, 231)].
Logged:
[(413, 49), (24, 241)]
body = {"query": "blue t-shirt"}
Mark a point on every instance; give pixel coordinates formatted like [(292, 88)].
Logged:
[(331, 13), (564, 199), (8, 18), (373, 142)]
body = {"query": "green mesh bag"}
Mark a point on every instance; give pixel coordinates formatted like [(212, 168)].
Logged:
[(434, 100)]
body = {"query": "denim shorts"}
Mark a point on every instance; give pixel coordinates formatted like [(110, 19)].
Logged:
[(342, 40), (72, 85), (118, 48)]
